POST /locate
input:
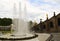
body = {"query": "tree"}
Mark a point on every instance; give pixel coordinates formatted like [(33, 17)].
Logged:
[(5, 21), (30, 25), (35, 23)]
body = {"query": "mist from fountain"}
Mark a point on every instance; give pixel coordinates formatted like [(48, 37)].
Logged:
[(21, 26)]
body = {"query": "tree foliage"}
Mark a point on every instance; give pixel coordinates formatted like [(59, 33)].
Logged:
[(30, 23), (5, 21)]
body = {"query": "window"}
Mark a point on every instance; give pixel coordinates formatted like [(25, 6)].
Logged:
[(51, 24), (44, 27), (58, 21)]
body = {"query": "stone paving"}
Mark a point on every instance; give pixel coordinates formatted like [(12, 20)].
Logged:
[(43, 36), (56, 36)]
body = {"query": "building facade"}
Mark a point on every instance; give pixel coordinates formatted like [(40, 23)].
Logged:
[(51, 25)]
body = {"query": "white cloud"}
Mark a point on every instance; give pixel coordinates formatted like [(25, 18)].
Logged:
[(41, 10), (35, 10)]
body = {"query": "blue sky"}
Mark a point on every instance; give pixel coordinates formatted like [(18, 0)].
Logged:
[(35, 9)]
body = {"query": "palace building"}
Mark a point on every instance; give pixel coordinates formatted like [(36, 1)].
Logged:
[(51, 25)]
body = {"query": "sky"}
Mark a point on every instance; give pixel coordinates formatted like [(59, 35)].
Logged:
[(34, 9)]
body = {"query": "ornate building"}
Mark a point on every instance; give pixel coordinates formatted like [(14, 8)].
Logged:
[(50, 25)]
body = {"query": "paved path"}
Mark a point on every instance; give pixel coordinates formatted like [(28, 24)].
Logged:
[(56, 36), (43, 36)]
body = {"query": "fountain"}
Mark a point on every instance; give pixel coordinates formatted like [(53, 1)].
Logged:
[(21, 29)]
